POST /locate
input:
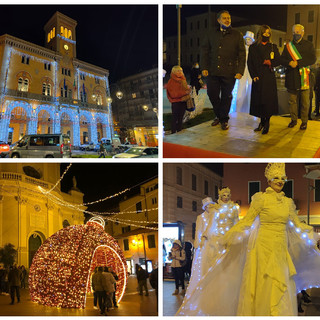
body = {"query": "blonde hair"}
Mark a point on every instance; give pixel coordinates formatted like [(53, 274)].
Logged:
[(176, 69), (297, 26)]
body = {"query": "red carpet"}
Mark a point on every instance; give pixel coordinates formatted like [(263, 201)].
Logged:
[(171, 150)]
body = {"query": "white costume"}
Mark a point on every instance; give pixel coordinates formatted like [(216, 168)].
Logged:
[(245, 84), (270, 256)]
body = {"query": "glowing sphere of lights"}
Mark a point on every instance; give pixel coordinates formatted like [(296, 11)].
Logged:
[(60, 274)]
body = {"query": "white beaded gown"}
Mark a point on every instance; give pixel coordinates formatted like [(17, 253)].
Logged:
[(270, 256), (221, 217)]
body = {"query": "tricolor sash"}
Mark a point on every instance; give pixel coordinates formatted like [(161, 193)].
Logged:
[(304, 71)]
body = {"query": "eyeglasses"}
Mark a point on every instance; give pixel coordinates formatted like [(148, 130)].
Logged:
[(277, 179)]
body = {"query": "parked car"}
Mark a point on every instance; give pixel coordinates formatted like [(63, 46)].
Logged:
[(139, 152), (88, 146), (42, 146), (4, 149)]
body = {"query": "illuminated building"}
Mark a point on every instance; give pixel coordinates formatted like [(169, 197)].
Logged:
[(136, 112), (139, 240), (48, 90), (28, 217)]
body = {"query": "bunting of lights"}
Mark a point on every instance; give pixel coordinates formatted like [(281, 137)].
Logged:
[(62, 176), (60, 274)]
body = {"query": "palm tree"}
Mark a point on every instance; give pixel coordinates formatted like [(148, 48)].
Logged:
[(8, 254)]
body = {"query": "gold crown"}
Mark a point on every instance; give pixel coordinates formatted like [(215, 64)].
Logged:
[(224, 190), (274, 170)]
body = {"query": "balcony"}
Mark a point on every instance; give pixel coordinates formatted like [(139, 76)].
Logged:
[(29, 95), (12, 176), (75, 102)]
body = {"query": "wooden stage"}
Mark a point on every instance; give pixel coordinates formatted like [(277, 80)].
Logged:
[(241, 141)]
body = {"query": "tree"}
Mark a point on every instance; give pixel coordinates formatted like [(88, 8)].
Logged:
[(8, 254)]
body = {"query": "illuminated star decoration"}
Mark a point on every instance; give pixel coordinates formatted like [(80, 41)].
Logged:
[(60, 274)]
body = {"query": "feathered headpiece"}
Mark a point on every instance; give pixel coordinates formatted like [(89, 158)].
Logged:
[(275, 170)]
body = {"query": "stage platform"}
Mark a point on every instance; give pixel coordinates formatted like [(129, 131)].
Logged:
[(205, 141)]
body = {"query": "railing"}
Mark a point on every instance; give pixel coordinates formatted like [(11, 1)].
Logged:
[(81, 104), (29, 95), (23, 178)]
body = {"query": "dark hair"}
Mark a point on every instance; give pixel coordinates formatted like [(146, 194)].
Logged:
[(221, 12), (100, 268), (261, 31)]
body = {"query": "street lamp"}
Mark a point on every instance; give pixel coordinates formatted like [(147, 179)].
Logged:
[(119, 95), (145, 108)]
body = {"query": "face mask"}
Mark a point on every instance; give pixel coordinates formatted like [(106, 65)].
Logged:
[(265, 39), (296, 37)]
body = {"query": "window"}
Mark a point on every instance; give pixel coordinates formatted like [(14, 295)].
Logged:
[(179, 176), (288, 189), (194, 230), (97, 80), (23, 84), (151, 241), (179, 202), (311, 16), (297, 18), (99, 100), (64, 91), (310, 37), (66, 72), (154, 200), (82, 76), (317, 190), (194, 206), (126, 244), (47, 66), (46, 89), (25, 60), (139, 207), (254, 187), (206, 187), (194, 182), (126, 229), (83, 96)]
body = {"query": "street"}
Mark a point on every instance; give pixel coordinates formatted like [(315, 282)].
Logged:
[(132, 304), (172, 303)]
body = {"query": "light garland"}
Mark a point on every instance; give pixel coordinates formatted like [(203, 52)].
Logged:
[(62, 176), (134, 225), (90, 75), (60, 271), (66, 39), (21, 54)]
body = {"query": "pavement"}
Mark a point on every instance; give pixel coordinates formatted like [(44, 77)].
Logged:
[(171, 303), (132, 304)]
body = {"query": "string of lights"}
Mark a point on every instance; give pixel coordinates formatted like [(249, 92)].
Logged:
[(62, 176)]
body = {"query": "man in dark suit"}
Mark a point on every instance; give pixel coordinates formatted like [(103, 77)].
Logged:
[(223, 58)]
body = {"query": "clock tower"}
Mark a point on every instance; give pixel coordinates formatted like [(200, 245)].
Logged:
[(60, 35)]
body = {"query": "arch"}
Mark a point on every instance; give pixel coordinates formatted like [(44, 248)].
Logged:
[(85, 122), (60, 271), (35, 240), (67, 123), (102, 124)]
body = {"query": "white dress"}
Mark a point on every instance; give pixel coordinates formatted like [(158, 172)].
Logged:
[(220, 218), (270, 256)]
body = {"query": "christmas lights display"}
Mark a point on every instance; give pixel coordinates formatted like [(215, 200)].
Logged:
[(61, 270)]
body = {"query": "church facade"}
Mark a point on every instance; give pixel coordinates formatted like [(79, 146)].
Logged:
[(27, 216), (48, 90)]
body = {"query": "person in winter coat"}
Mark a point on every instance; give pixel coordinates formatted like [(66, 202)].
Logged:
[(142, 277), (99, 286), (297, 56), (263, 57), (195, 77), (178, 92), (223, 58), (178, 257), (14, 278), (109, 288), (115, 287)]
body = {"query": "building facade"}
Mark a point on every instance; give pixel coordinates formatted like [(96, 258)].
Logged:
[(245, 180), (48, 90), (139, 244), (27, 216), (184, 187), (135, 108)]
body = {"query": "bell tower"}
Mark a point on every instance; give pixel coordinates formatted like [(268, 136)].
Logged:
[(60, 34)]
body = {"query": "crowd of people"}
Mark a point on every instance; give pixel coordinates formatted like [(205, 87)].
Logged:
[(260, 265), (12, 280), (227, 56)]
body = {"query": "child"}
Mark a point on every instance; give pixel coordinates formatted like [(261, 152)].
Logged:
[(178, 93)]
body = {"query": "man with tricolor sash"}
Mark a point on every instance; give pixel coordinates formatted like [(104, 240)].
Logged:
[(298, 55)]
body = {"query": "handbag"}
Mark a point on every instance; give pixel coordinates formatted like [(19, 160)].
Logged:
[(190, 105)]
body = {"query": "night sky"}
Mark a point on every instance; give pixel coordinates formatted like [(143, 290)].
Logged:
[(99, 180), (273, 15), (120, 38)]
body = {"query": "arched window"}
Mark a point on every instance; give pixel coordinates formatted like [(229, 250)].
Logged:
[(26, 85), (20, 82), (99, 100), (65, 32), (46, 89), (69, 34), (49, 37), (53, 32), (61, 30)]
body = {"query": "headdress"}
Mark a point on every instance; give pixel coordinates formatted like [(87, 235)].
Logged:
[(249, 34), (274, 170), (206, 201), (223, 191)]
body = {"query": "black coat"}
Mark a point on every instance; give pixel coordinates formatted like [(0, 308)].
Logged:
[(194, 78), (264, 98), (223, 54), (307, 52)]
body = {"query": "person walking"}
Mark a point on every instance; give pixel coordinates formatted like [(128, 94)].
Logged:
[(23, 277), (109, 287), (114, 300), (223, 59), (263, 57), (178, 92), (99, 286), (14, 278), (297, 56), (142, 277), (102, 150), (178, 257), (195, 77)]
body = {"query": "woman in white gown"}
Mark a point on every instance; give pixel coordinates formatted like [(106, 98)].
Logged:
[(217, 219), (269, 257)]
